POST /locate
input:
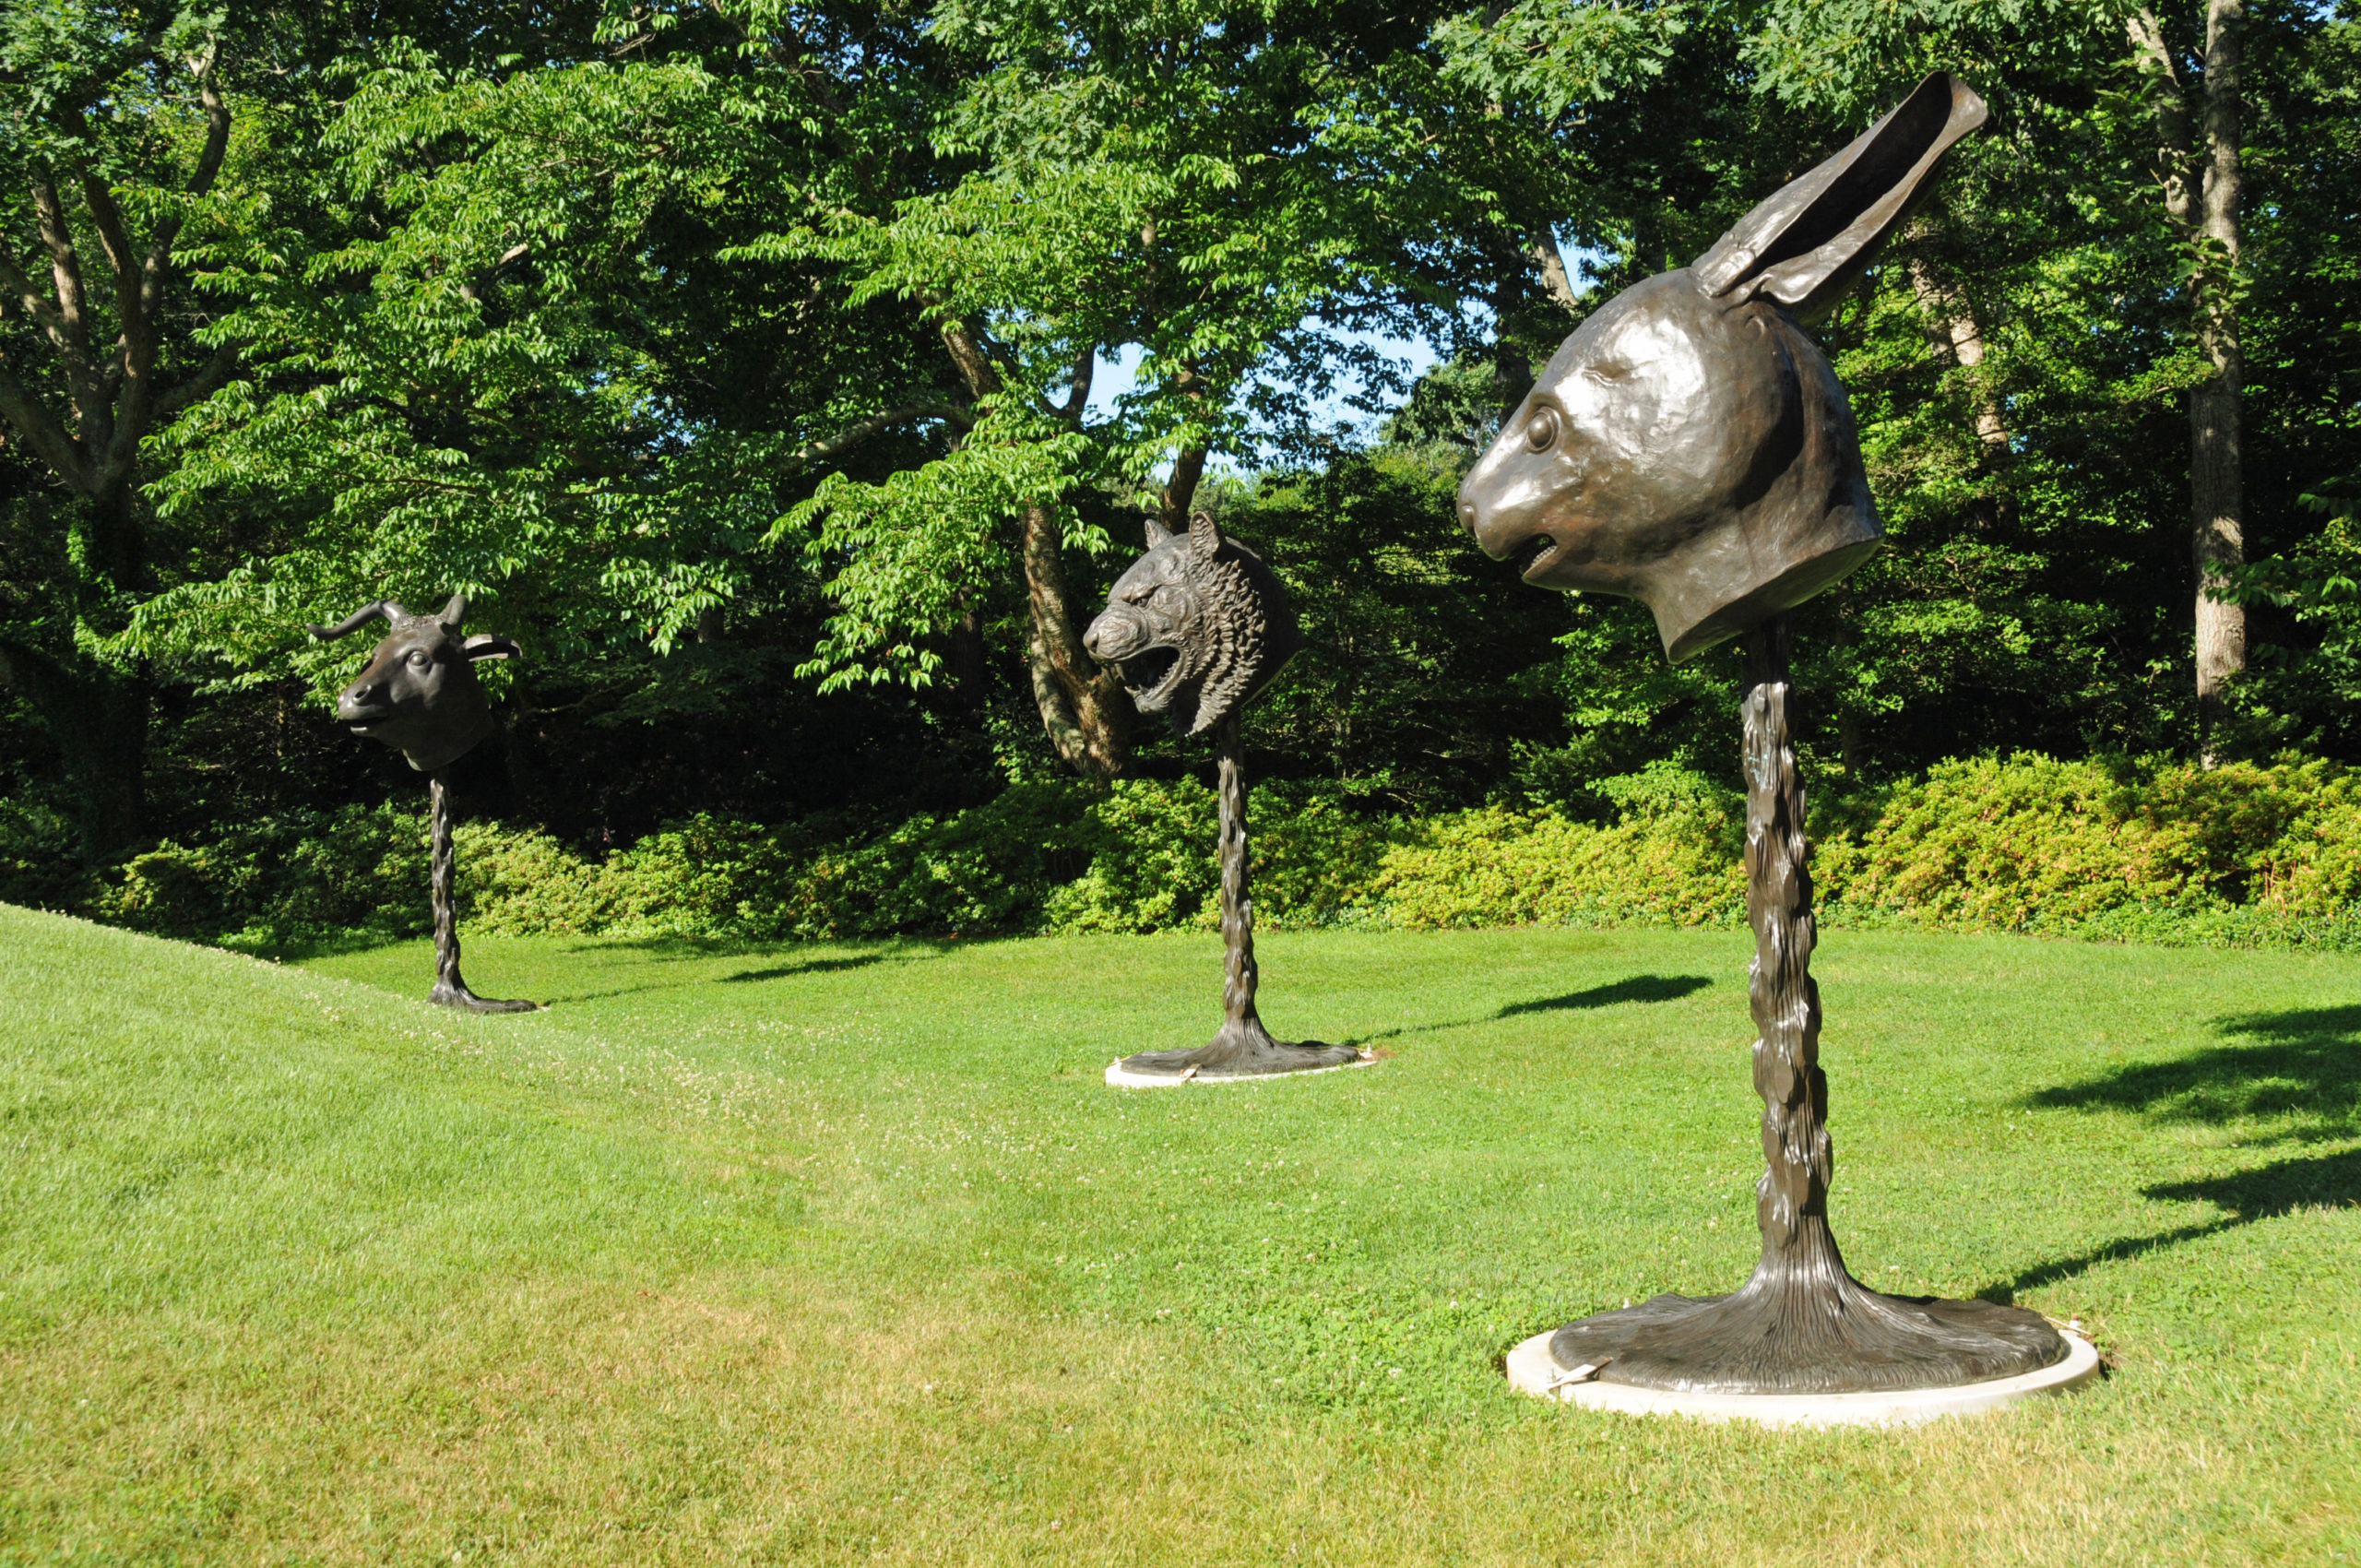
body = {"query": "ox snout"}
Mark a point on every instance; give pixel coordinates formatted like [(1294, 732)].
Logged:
[(363, 703)]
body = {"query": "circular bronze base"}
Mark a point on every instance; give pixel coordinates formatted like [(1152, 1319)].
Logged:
[(1829, 1338), (1240, 1050), (467, 1001)]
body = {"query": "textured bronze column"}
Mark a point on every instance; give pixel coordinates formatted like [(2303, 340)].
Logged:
[(443, 882), (1238, 974), (1244, 1048), (1802, 1324)]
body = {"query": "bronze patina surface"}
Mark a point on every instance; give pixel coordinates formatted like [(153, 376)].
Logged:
[(418, 694), (1195, 628), (1690, 447)]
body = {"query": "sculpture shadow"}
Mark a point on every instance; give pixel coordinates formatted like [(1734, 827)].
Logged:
[(674, 950), (1639, 988), (808, 967), (2301, 1068)]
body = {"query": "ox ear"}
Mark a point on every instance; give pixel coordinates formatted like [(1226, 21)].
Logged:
[(1204, 539), (483, 645), (1159, 536), (454, 612), (1806, 245)]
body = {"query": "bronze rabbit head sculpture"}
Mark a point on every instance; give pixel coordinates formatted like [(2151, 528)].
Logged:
[(1689, 446)]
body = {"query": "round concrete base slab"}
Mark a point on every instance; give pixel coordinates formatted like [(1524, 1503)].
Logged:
[(1532, 1370), (1119, 1079)]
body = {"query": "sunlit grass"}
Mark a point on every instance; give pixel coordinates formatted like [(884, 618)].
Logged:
[(846, 1254)]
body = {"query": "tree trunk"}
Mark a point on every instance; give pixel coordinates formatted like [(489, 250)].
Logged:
[(1802, 1324), (1087, 712), (98, 718), (1244, 1048), (2216, 477), (2201, 193), (1956, 334)]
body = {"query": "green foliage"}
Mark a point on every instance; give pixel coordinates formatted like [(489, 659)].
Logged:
[(2241, 854)]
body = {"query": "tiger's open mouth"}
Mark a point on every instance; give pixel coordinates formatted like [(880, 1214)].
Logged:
[(1149, 675)]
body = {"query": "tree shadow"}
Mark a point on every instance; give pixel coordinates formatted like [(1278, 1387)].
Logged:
[(2302, 1066), (2319, 1182), (1639, 988)]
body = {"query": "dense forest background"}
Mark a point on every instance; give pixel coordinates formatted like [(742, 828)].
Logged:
[(750, 364)]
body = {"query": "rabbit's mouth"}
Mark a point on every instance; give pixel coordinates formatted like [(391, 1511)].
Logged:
[(1533, 554)]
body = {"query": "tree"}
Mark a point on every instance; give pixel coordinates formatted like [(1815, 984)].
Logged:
[(118, 131), (2197, 165)]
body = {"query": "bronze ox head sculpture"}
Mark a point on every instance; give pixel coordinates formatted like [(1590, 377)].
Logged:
[(419, 691), (1689, 446), (1196, 627)]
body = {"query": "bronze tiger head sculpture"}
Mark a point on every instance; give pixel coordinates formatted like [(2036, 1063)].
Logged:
[(1196, 627), (1689, 446)]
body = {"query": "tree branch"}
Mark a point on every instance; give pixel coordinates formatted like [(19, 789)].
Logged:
[(859, 431), (73, 332), (1085, 367), (2169, 100), (208, 168), (201, 386), (41, 431), (1553, 275)]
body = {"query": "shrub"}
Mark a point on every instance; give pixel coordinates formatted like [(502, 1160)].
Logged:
[(2241, 854)]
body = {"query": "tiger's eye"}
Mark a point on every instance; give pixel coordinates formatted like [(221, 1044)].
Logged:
[(1541, 430)]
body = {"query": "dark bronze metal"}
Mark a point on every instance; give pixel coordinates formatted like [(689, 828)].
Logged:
[(418, 694), (1195, 629), (1689, 446), (1802, 1324)]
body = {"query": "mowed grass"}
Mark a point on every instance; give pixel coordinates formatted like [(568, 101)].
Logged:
[(846, 1254)]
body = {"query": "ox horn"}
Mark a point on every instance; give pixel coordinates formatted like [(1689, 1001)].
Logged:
[(359, 619), (454, 612)]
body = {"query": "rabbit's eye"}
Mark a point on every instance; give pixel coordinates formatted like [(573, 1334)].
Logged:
[(1541, 430)]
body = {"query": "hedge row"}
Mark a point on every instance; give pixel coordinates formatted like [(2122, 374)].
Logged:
[(2238, 854)]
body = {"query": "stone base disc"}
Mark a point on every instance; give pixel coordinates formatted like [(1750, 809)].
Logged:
[(1121, 1078), (1532, 1369)]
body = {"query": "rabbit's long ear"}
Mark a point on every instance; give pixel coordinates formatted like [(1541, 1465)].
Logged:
[(1805, 246)]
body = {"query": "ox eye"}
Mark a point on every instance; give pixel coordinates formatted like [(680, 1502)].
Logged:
[(1541, 430), (419, 659)]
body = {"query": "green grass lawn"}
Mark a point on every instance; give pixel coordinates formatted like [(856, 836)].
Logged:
[(846, 1254)]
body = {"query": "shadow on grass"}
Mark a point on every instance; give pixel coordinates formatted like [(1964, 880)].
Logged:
[(673, 950), (2303, 1065), (2299, 1069), (2322, 1182), (808, 967), (1639, 988)]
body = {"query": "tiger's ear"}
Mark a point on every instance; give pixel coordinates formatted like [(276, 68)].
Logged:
[(1158, 535), (1204, 539), (1806, 245)]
